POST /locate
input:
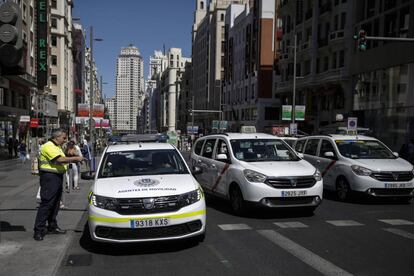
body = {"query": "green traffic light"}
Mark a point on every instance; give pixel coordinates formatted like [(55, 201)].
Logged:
[(362, 47)]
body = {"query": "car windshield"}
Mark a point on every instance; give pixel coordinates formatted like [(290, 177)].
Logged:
[(141, 162), (364, 149), (262, 150)]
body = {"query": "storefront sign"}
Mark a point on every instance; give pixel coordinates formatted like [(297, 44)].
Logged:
[(34, 123), (42, 69), (24, 119)]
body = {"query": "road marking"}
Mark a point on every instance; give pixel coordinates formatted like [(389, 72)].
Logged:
[(344, 223), (220, 256), (229, 227), (397, 221), (303, 254), (291, 224), (400, 232)]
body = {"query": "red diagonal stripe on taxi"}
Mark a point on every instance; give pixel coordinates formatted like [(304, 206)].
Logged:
[(328, 167), (220, 176)]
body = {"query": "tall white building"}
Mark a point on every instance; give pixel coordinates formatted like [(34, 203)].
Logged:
[(129, 89), (61, 76)]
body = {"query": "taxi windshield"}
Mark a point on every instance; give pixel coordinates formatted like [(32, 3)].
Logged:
[(141, 162), (364, 149), (262, 150)]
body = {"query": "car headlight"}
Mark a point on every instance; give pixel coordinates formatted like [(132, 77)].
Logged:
[(317, 175), (361, 170), (103, 202), (253, 176), (190, 198)]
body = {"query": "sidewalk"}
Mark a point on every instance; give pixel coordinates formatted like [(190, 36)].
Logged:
[(19, 253)]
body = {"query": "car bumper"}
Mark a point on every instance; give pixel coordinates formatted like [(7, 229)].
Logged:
[(109, 226), (373, 187), (264, 195)]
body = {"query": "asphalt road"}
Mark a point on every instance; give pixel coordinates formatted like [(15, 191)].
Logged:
[(363, 237)]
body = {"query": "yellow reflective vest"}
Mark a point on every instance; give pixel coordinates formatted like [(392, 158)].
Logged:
[(48, 155)]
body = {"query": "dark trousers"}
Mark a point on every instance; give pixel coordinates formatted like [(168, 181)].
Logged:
[(50, 195)]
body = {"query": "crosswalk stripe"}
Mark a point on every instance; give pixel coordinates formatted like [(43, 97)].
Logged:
[(291, 224), (342, 223), (229, 227), (400, 232), (397, 221), (303, 254)]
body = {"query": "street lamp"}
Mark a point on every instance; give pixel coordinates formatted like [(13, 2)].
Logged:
[(91, 92)]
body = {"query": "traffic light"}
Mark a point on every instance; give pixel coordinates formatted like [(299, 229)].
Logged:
[(11, 42), (362, 40)]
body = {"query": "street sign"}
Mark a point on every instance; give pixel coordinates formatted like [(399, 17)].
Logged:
[(223, 125), (352, 123), (192, 130), (215, 124), (293, 129), (286, 112)]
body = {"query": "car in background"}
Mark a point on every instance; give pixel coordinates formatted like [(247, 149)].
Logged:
[(289, 140), (363, 164), (255, 168), (145, 192)]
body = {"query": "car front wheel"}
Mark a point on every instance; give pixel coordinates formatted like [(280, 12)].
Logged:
[(237, 201), (343, 190)]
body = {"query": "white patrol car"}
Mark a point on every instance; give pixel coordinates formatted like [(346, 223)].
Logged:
[(256, 168), (358, 163), (145, 192)]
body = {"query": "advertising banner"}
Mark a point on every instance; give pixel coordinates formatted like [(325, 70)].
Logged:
[(300, 112), (83, 110), (286, 112), (98, 110)]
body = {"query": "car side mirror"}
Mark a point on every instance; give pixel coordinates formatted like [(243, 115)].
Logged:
[(396, 154), (197, 170), (301, 156), (87, 175), (221, 157), (329, 154)]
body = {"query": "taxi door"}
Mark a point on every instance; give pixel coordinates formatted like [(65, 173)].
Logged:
[(326, 164), (219, 168), (205, 162)]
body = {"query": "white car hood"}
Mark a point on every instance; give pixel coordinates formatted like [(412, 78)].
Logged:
[(385, 165), (145, 186), (282, 168)]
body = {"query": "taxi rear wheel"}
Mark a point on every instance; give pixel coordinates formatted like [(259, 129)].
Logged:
[(238, 204), (343, 190)]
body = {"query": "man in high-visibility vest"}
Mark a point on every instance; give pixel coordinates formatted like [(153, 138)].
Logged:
[(51, 170)]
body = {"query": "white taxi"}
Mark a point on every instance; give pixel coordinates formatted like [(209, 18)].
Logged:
[(145, 192), (256, 169)]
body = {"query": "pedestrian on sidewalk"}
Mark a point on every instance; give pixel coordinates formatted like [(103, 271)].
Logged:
[(72, 175), (86, 153), (22, 151), (15, 146), (10, 146), (51, 170)]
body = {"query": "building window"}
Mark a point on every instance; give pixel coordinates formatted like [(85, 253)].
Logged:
[(342, 58), (54, 60), (54, 4), (53, 79), (222, 17), (271, 113), (2, 96), (54, 23), (343, 20), (325, 63)]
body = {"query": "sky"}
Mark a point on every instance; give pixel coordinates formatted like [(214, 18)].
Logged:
[(148, 24)]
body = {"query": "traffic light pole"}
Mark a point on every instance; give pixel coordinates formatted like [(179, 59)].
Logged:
[(401, 39), (91, 96)]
